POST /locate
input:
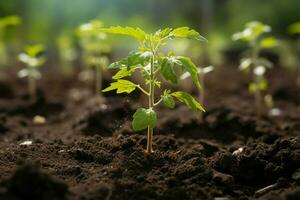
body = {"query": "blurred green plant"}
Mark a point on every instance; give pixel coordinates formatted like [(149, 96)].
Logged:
[(95, 49), (294, 29), (67, 51), (33, 58), (151, 62), (5, 22), (254, 34)]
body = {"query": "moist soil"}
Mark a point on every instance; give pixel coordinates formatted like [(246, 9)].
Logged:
[(87, 150)]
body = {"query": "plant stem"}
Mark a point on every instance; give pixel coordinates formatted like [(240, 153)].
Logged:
[(98, 80), (257, 94), (32, 88), (149, 149)]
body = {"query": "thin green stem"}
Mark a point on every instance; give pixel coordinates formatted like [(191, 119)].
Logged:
[(149, 149), (159, 101), (32, 88), (143, 90), (258, 98)]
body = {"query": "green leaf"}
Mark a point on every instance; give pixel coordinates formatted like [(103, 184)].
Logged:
[(121, 86), (245, 64), (186, 32), (144, 118), (118, 64), (190, 67), (167, 70), (124, 72), (188, 100), (268, 42), (137, 33), (294, 28), (133, 59), (262, 86), (168, 101), (252, 30)]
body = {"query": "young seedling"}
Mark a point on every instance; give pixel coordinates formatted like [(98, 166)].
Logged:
[(201, 91), (33, 59), (151, 62), (294, 29), (95, 47), (254, 35), (5, 22)]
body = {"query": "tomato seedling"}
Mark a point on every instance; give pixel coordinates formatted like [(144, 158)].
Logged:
[(254, 35), (201, 91), (95, 47), (33, 58), (151, 62), (5, 22)]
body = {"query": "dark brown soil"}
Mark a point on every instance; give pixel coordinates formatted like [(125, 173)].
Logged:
[(88, 151)]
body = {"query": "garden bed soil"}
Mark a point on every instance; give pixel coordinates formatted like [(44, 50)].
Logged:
[(87, 149)]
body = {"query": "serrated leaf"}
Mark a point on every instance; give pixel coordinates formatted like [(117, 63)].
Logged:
[(188, 100), (144, 118), (186, 32), (168, 101), (137, 33), (121, 86), (118, 64), (167, 70), (133, 59), (124, 72), (190, 67)]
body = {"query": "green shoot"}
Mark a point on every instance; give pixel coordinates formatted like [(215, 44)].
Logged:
[(152, 63), (254, 35), (201, 91), (95, 47), (5, 22), (33, 58)]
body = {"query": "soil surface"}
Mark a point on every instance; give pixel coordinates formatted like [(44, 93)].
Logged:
[(86, 149)]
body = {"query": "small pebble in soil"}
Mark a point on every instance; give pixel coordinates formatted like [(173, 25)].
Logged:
[(238, 151), (26, 143), (39, 120)]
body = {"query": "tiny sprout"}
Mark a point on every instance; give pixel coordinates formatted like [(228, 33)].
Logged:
[(33, 59), (201, 93), (254, 35), (95, 47), (151, 63)]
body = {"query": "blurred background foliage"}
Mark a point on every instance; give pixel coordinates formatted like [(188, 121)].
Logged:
[(53, 22)]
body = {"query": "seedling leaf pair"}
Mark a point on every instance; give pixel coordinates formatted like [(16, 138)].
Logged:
[(144, 118)]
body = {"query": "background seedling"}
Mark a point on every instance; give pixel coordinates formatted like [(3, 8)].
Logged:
[(33, 59), (95, 48), (253, 34), (151, 62), (5, 22), (201, 93), (294, 29)]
